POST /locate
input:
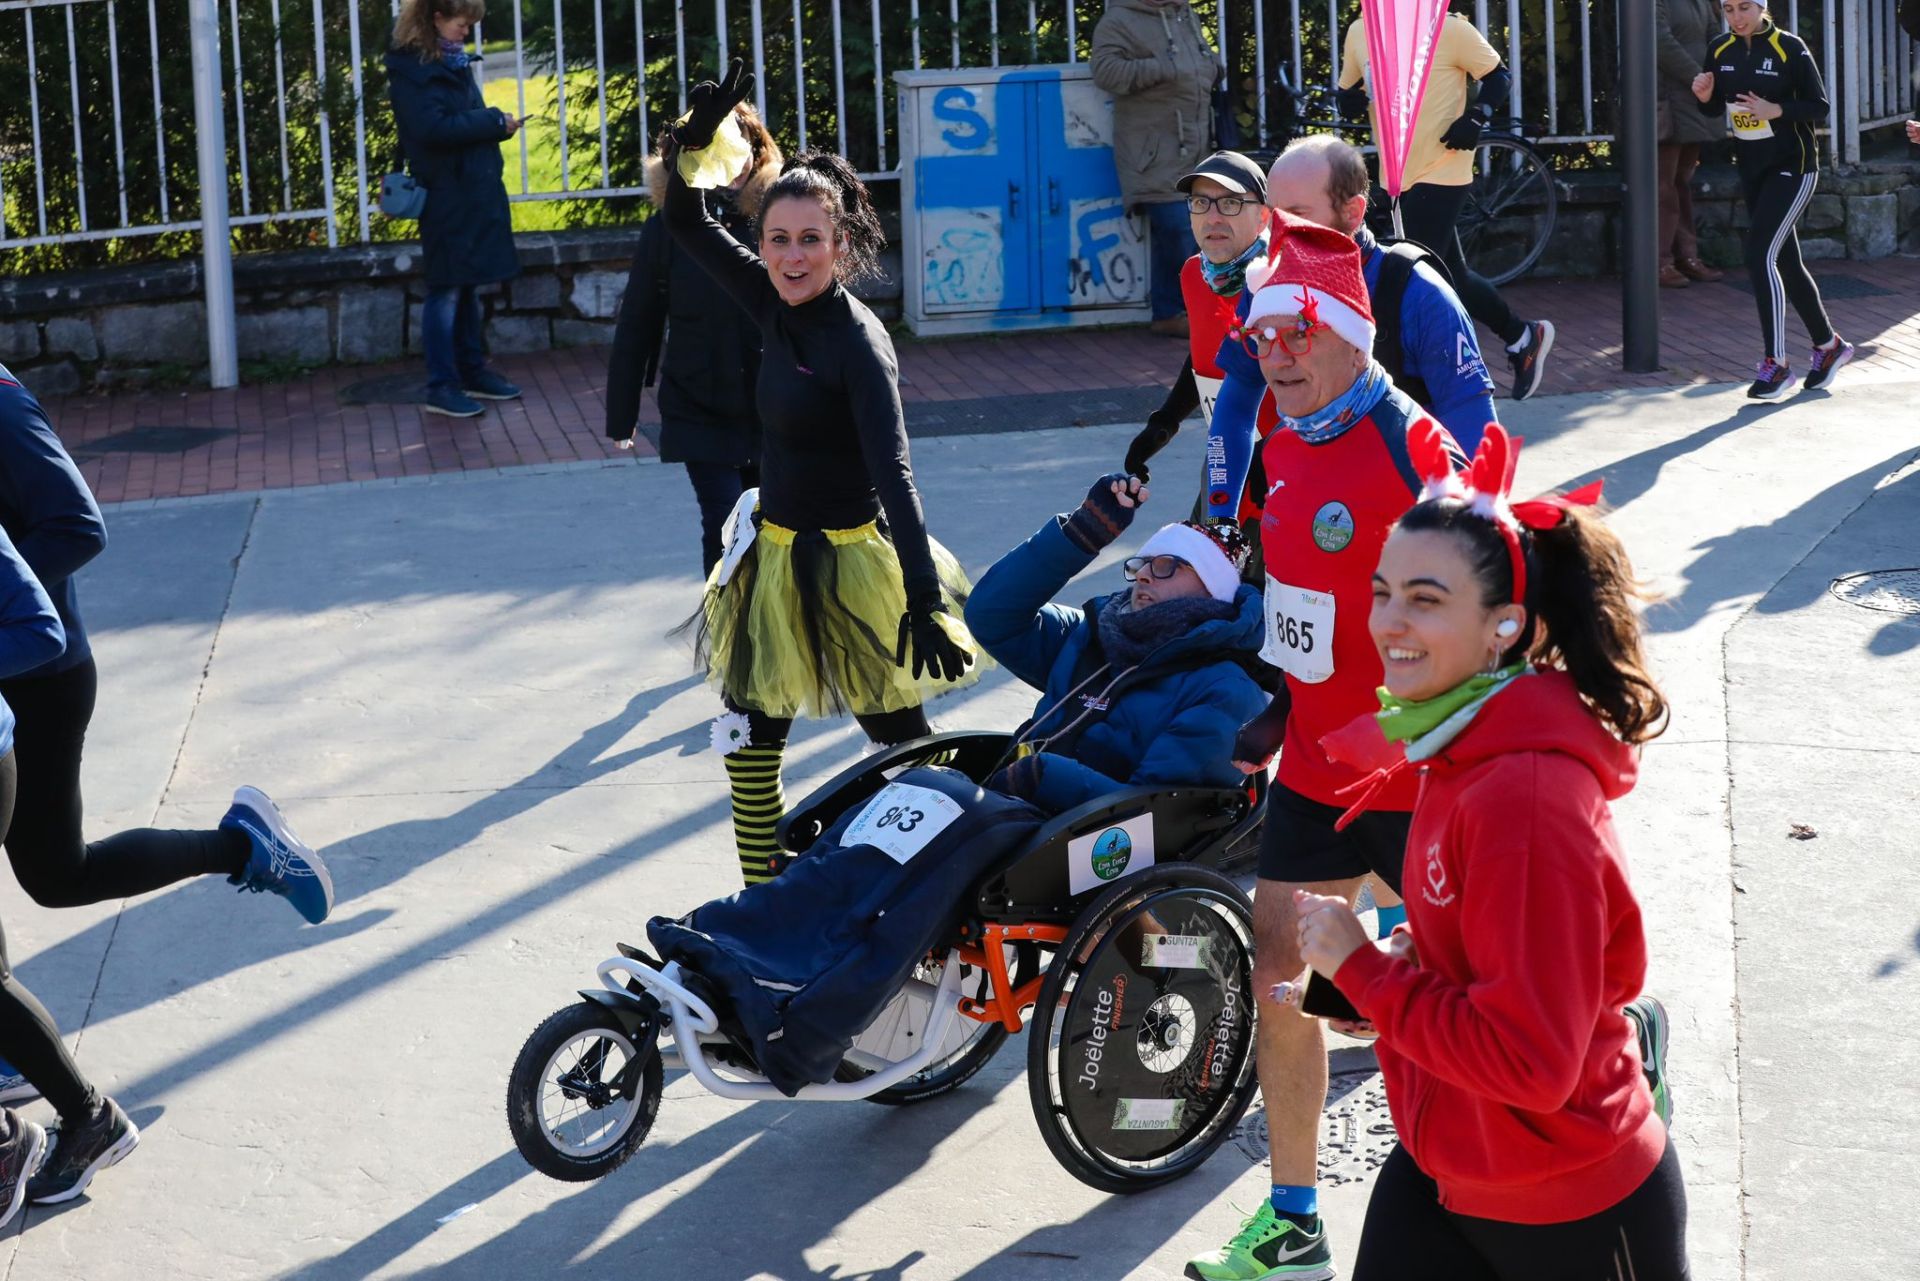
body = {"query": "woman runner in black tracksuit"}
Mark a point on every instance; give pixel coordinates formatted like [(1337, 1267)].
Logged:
[(820, 613), (1767, 82)]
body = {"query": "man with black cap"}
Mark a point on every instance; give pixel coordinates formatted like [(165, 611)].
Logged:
[(1227, 200)]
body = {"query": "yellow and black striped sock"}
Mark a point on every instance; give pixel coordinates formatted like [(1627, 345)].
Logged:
[(754, 775)]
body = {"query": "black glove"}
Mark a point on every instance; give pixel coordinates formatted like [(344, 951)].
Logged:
[(1101, 518), (934, 652), (1261, 737), (709, 105), (1153, 438), (1464, 133), (1352, 102)]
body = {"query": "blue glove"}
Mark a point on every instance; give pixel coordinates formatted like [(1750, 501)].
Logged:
[(1102, 517)]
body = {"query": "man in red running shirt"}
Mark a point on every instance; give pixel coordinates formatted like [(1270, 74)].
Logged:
[(1339, 474), (1227, 201)]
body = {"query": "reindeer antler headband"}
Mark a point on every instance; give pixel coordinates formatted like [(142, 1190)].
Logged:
[(1484, 488)]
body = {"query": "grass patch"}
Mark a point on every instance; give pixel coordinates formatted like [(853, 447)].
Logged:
[(542, 133)]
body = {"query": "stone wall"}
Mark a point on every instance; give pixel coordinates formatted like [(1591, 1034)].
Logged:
[(146, 325), (1868, 211)]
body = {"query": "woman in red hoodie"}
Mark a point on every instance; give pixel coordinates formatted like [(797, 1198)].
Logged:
[(1529, 1142)]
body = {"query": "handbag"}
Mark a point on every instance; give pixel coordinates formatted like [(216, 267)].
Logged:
[(401, 196)]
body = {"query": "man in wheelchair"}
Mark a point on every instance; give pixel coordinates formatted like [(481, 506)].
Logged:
[(1139, 687)]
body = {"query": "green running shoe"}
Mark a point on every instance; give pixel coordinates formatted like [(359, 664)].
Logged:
[(1268, 1245), (1649, 1019)]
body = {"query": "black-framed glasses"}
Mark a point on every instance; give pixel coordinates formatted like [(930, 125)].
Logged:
[(1297, 338), (1156, 566), (1229, 206)]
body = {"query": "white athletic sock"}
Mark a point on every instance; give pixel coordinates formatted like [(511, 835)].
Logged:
[(1829, 346), (1525, 339)]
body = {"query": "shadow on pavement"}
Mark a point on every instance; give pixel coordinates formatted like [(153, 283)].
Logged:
[(1634, 476)]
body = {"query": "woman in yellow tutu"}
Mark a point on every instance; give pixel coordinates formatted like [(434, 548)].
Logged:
[(833, 598)]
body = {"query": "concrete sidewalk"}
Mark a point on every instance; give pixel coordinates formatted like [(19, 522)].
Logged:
[(463, 690)]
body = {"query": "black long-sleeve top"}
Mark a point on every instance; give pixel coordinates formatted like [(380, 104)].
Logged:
[(834, 444), (48, 512), (1775, 65)]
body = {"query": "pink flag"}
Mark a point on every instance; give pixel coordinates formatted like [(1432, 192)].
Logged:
[(1402, 37)]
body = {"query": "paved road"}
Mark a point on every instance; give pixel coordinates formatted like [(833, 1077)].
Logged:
[(463, 690)]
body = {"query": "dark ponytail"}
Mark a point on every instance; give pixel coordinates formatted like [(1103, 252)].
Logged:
[(829, 179), (1580, 606)]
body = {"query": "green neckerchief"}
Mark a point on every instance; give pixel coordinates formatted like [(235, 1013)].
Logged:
[(1429, 725)]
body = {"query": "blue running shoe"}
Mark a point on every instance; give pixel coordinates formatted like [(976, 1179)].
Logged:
[(280, 862), (15, 1088)]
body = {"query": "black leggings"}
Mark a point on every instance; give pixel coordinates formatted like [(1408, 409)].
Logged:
[(1409, 1236), (1430, 214), (54, 863), (1779, 275), (28, 1037)]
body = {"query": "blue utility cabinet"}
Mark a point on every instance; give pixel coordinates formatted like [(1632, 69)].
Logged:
[(1011, 215)]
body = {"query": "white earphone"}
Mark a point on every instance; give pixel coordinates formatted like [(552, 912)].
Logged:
[(1507, 629)]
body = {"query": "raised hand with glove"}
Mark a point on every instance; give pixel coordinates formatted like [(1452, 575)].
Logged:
[(923, 634), (1154, 437), (1106, 512), (708, 106)]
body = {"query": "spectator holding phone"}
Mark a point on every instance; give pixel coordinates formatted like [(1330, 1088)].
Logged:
[(452, 139), (1516, 685)]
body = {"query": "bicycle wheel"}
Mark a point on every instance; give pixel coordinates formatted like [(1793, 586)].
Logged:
[(582, 1096), (1508, 215), (969, 1043)]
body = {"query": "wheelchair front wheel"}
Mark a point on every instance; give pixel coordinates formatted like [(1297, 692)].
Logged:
[(970, 1044), (1140, 1059), (582, 1095)]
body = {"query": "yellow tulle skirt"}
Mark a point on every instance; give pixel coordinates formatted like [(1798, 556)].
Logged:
[(809, 625)]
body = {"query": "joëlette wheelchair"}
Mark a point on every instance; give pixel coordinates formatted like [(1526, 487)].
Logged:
[(1141, 1058)]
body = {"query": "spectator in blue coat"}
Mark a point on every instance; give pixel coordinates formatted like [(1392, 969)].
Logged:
[(1143, 686), (451, 139)]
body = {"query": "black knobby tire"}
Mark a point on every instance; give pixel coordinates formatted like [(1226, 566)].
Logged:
[(1509, 214), (960, 1067), (540, 1079), (1138, 1072)]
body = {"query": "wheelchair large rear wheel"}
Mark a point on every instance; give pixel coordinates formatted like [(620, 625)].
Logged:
[(969, 1044), (1140, 1059)]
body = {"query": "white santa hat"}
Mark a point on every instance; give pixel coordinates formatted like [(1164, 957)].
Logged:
[(1200, 549), (1317, 270)]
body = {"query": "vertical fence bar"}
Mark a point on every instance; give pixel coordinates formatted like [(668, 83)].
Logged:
[(79, 145), (520, 94), (1850, 55), (1836, 92), (839, 81), (280, 105), (326, 129), (600, 75), (640, 55), (720, 34), (159, 130), (1333, 41), (1073, 35), (1586, 64), (1260, 72), (879, 94), (239, 110), (759, 63), (1513, 54), (953, 29), (799, 74), (1033, 31), (914, 18), (119, 133), (993, 32), (359, 120), (680, 48), (560, 97), (1553, 79), (216, 235), (1299, 67), (33, 106)]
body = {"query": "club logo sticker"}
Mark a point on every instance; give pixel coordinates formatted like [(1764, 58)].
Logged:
[(1112, 851), (1332, 527)]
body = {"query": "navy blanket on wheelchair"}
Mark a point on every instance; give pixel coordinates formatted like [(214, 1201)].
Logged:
[(803, 963)]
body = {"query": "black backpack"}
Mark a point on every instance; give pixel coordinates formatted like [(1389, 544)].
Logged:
[(1399, 258)]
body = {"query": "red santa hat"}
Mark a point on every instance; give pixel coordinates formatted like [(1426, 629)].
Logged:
[(1216, 553), (1313, 272)]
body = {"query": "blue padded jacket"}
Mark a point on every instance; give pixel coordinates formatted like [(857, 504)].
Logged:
[(30, 631), (1174, 718), (48, 512)]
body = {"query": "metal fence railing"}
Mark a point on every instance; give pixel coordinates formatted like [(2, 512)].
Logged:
[(99, 146)]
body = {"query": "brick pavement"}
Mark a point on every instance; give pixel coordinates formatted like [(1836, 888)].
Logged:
[(143, 445)]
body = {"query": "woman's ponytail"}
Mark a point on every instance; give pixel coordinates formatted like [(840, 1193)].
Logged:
[(1583, 593), (829, 179)]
